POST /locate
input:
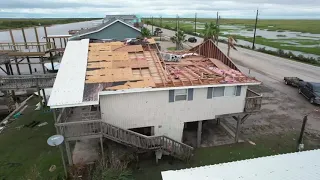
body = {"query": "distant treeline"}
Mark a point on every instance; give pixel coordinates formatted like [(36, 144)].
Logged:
[(19, 23)]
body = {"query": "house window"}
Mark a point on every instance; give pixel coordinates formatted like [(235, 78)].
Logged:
[(180, 95), (230, 91), (238, 90), (218, 91)]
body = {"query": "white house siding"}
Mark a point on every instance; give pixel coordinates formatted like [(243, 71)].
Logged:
[(134, 110)]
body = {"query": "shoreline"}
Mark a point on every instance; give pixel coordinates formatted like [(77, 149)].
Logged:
[(68, 21)]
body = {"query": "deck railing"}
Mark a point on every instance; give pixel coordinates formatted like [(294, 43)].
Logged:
[(95, 128), (21, 46), (253, 101), (26, 81)]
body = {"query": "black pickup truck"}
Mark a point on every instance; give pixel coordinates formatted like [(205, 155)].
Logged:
[(310, 90)]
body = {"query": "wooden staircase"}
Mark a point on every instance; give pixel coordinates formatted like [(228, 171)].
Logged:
[(131, 138), (98, 128)]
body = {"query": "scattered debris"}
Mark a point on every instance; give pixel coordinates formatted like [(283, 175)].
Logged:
[(17, 115), (52, 168), (252, 143), (38, 107), (1, 129), (32, 124), (42, 124), (19, 127)]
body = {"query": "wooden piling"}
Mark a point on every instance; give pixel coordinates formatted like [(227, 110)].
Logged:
[(29, 64), (60, 42), (237, 129), (12, 39), (39, 95), (24, 38), (37, 38), (199, 133), (42, 63), (17, 65), (44, 97), (68, 152)]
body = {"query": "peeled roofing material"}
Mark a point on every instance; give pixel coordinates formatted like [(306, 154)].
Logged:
[(294, 166), (69, 84)]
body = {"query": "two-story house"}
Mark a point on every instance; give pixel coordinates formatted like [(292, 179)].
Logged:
[(141, 97)]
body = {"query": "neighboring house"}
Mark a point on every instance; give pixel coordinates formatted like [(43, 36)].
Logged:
[(298, 165), (113, 29), (140, 97), (129, 19)]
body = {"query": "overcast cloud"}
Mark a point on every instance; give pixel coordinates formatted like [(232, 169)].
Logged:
[(167, 8)]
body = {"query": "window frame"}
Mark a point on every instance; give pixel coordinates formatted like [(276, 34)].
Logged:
[(236, 90), (213, 90), (175, 94)]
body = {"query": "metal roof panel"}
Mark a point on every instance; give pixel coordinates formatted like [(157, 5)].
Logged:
[(69, 84), (293, 166)]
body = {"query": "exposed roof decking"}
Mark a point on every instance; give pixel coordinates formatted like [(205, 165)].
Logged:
[(88, 69), (69, 84), (132, 66), (301, 165)]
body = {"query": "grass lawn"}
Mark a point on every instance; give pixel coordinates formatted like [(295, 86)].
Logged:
[(171, 48), (265, 146), (25, 151)]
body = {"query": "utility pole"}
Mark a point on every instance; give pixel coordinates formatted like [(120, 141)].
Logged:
[(255, 30), (195, 24), (217, 21), (152, 25), (217, 28), (160, 21), (177, 32)]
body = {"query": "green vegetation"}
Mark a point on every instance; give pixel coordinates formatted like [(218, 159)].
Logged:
[(24, 151), (265, 146), (19, 23), (280, 45), (171, 48), (300, 25), (179, 38), (145, 33)]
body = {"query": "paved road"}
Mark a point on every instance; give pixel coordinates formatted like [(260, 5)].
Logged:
[(274, 67)]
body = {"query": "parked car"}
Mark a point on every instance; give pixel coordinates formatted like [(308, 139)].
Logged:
[(192, 39), (293, 81), (311, 91)]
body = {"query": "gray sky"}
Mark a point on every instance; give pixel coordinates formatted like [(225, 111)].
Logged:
[(306, 9)]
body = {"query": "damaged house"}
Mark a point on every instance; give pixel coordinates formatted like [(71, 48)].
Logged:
[(140, 97)]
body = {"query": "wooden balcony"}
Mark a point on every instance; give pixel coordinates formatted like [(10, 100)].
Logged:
[(253, 101)]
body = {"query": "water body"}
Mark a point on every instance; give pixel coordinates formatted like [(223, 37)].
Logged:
[(287, 38), (59, 29)]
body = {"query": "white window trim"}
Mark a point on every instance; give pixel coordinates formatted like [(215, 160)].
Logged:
[(224, 92), (174, 93), (234, 91), (219, 96)]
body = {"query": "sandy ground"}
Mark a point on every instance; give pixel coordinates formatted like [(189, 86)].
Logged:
[(283, 108)]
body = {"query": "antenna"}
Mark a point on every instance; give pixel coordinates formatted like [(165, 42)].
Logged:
[(55, 140)]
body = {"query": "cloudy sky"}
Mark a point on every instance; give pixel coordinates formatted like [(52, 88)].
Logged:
[(304, 9)]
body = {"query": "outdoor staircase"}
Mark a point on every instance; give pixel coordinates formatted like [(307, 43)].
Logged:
[(163, 143), (78, 130)]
